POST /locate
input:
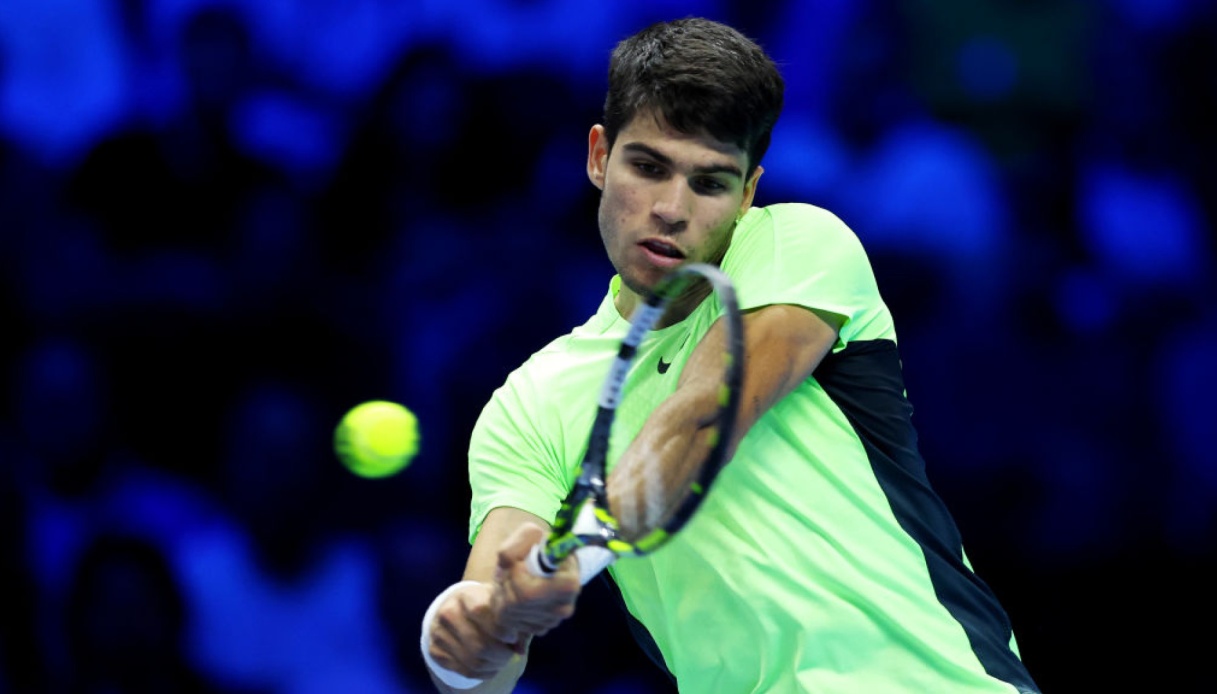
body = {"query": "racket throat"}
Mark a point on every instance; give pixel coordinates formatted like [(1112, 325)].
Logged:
[(597, 529), (591, 535), (593, 524)]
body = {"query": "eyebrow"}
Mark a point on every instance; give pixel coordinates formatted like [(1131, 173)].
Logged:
[(730, 169)]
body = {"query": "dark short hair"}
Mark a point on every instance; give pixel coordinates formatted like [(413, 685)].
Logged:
[(700, 76)]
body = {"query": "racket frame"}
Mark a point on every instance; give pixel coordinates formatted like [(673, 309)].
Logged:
[(584, 524)]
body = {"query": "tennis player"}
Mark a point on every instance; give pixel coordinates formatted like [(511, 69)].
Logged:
[(822, 559)]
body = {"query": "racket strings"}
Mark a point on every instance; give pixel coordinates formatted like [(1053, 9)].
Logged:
[(651, 501), (648, 497), (644, 502)]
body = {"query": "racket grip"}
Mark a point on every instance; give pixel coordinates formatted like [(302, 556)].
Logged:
[(592, 560)]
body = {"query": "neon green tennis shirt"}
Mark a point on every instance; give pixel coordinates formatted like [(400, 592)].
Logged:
[(821, 560)]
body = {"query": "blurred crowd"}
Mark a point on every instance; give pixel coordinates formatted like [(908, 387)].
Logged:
[(225, 222)]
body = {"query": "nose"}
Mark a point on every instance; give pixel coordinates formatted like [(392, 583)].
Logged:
[(673, 203)]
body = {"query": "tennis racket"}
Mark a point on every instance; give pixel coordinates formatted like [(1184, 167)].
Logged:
[(585, 525)]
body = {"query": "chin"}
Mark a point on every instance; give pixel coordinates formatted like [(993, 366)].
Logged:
[(641, 283)]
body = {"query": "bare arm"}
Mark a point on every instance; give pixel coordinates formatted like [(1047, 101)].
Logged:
[(783, 344), (484, 630)]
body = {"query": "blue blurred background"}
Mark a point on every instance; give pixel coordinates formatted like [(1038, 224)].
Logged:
[(226, 222)]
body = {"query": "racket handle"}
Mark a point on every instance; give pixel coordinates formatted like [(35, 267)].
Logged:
[(592, 560)]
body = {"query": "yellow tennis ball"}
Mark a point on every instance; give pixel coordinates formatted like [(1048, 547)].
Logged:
[(377, 438)]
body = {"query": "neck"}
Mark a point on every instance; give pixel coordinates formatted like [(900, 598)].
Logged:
[(678, 308)]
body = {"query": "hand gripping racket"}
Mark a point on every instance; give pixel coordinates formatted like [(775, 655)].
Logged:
[(585, 525)]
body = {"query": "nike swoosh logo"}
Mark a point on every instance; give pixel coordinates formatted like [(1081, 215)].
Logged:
[(665, 365)]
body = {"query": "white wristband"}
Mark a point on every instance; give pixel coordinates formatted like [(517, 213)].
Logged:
[(453, 679)]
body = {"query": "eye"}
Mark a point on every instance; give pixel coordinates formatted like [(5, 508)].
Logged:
[(709, 185), (647, 168)]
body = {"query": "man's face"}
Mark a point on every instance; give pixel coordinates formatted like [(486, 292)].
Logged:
[(669, 198)]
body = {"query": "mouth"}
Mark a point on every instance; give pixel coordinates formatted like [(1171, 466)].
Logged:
[(662, 252)]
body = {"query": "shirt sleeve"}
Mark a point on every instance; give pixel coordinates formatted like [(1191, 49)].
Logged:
[(803, 255), (510, 463)]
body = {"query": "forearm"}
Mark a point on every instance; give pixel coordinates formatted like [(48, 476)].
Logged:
[(657, 468), (783, 345)]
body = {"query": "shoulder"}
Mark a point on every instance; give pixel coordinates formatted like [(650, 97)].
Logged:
[(797, 237), (557, 372), (795, 222), (804, 255), (796, 212)]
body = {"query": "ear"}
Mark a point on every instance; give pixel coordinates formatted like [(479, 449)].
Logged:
[(597, 155), (750, 191)]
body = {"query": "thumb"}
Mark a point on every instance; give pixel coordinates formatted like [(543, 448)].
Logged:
[(516, 547)]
